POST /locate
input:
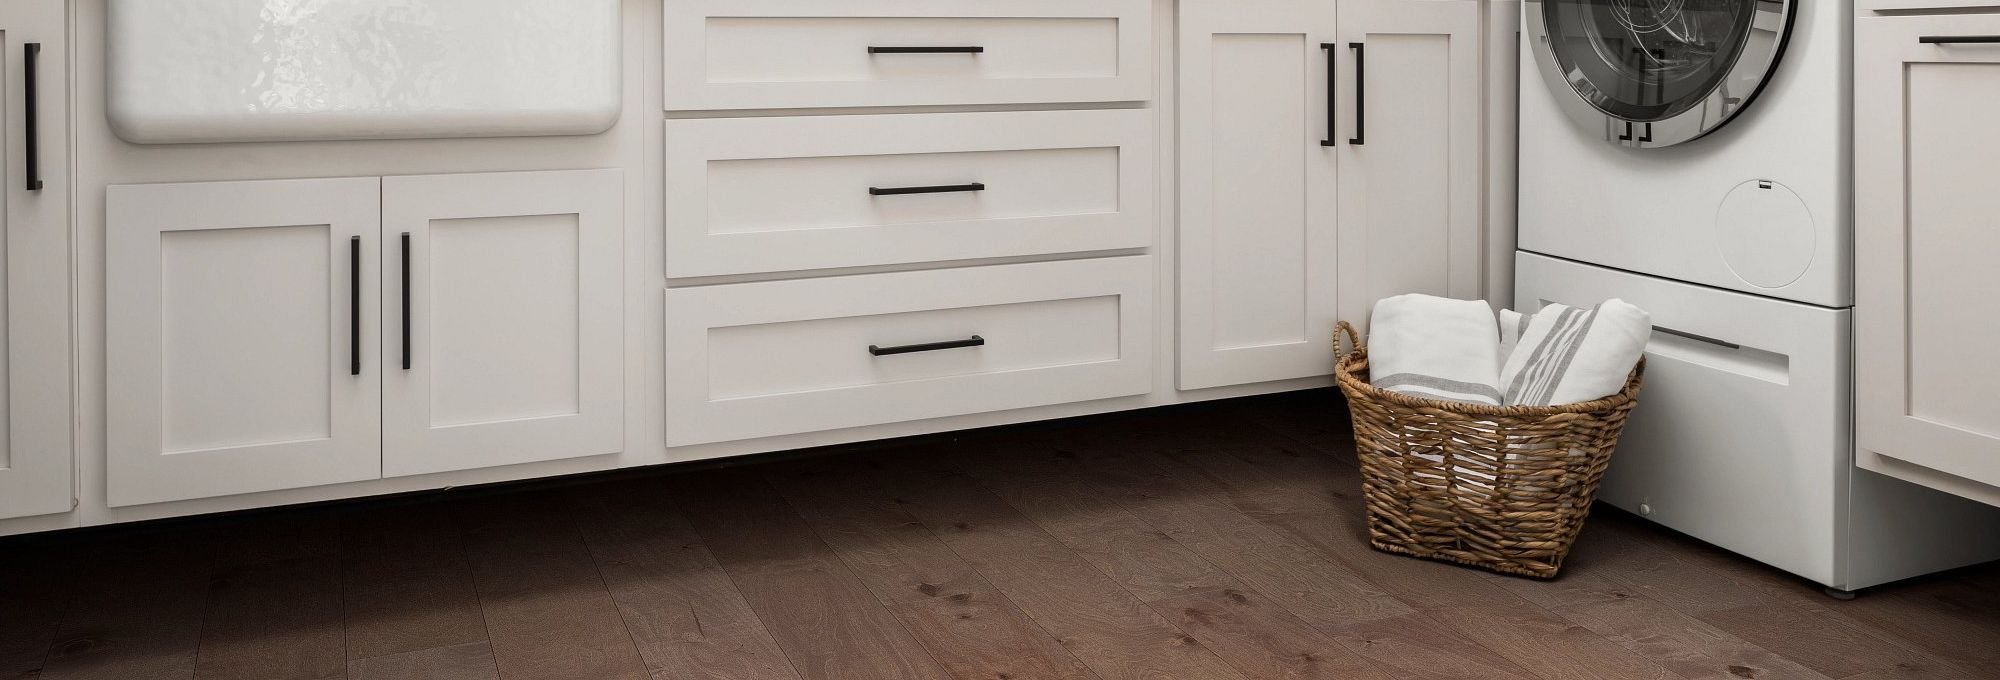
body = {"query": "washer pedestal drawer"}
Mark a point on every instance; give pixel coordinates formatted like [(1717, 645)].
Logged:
[(753, 360)]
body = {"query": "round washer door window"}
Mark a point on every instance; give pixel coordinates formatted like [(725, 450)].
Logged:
[(1657, 72)]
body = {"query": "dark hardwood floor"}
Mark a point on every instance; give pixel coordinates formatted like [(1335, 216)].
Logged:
[(1208, 541)]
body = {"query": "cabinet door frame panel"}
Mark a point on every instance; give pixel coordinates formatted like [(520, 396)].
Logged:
[(413, 444), (138, 470), (1889, 438)]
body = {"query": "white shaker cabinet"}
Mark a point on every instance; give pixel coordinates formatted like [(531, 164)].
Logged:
[(242, 350), (503, 328), (1927, 224), (1258, 255), (35, 406), (1411, 167)]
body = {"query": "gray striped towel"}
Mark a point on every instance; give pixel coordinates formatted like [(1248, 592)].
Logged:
[(1567, 355)]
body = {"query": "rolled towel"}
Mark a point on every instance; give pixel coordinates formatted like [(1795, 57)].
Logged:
[(1435, 348), (1512, 325), (1568, 355)]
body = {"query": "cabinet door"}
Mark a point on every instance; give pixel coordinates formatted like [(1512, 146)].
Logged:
[(504, 326), (1927, 224), (1411, 168), (241, 337), (35, 418), (1258, 289)]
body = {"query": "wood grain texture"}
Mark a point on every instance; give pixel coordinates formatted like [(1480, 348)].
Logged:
[(408, 586), (968, 626), (1220, 540), (684, 613), (825, 619), (547, 611)]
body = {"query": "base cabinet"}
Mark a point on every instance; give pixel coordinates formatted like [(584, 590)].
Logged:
[(1330, 156), (36, 459), (282, 334), (1925, 234)]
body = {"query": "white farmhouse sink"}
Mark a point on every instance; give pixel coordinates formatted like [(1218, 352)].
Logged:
[(269, 70)]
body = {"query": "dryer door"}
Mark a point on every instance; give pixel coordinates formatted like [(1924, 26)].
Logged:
[(1654, 73)]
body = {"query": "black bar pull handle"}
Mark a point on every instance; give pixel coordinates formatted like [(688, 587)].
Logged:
[(938, 189), (406, 301), (1330, 49), (974, 341), (354, 306), (925, 49), (31, 63), (1360, 92), (1959, 39)]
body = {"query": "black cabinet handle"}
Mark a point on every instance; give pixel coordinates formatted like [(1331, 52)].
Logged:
[(1958, 39), (31, 62), (1360, 92), (354, 306), (938, 189), (973, 341), (1330, 49), (406, 301), (923, 49)]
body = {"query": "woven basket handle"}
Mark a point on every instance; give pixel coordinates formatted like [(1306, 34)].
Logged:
[(1353, 339)]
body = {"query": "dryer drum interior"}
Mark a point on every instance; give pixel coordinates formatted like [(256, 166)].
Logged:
[(1657, 72)]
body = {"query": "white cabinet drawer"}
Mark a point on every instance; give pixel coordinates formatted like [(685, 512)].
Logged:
[(762, 359), (783, 194), (771, 54)]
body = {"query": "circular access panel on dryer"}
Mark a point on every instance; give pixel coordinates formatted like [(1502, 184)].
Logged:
[(1765, 233)]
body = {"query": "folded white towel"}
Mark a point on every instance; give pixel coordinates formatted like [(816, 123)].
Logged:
[(1512, 325), (1436, 348), (1568, 355)]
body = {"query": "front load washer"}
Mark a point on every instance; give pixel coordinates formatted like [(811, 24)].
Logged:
[(1697, 140), (1692, 157)]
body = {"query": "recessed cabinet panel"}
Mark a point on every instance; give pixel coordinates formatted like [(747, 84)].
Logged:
[(777, 54), (36, 379), (514, 335), (1259, 293), (241, 326), (749, 195), (763, 359), (1925, 233), (1410, 154)]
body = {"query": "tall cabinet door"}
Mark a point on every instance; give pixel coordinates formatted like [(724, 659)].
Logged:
[(504, 319), (35, 406), (1411, 180), (241, 326), (1927, 225), (1258, 283)]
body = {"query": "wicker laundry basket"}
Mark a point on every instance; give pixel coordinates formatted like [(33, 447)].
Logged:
[(1503, 488)]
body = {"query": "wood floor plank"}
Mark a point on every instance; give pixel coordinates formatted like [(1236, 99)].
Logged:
[(828, 623), (1300, 578), (968, 626), (1822, 643), (1681, 643), (274, 621), (548, 614), (469, 661), (1957, 618), (1143, 559), (408, 586), (34, 594), (684, 613), (141, 617), (1549, 646), (1107, 628), (1263, 640), (1316, 500)]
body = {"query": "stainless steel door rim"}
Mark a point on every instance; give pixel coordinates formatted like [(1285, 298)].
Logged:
[(1654, 73)]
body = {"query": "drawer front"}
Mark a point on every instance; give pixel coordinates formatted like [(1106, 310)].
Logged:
[(763, 359), (773, 54), (746, 195)]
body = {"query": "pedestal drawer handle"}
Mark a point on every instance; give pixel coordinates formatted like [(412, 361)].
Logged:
[(938, 189), (880, 351), (1958, 39), (922, 49)]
